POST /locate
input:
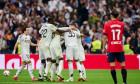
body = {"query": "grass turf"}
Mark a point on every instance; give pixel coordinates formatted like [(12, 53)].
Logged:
[(93, 77)]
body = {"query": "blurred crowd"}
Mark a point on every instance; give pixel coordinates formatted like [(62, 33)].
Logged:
[(89, 16)]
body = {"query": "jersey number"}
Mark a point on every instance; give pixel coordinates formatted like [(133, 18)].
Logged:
[(71, 34), (118, 34), (44, 31)]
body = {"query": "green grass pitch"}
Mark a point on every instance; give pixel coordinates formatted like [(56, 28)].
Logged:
[(93, 77)]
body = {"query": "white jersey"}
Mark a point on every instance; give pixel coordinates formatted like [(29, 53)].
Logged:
[(24, 41), (79, 41), (56, 40), (70, 38), (46, 34)]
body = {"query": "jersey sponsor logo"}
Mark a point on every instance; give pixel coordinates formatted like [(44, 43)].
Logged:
[(28, 41), (116, 42), (115, 25)]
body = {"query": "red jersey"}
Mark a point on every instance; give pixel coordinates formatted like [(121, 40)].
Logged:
[(114, 31)]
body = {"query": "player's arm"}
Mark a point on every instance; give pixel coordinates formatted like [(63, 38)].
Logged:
[(15, 47), (82, 35), (65, 29), (104, 43), (32, 44)]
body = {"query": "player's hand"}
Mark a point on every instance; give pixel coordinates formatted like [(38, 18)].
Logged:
[(103, 51), (37, 45), (13, 53)]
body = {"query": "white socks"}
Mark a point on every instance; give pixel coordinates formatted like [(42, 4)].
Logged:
[(19, 70), (60, 66), (53, 68), (41, 70), (30, 70), (79, 68), (48, 64), (70, 69), (83, 70)]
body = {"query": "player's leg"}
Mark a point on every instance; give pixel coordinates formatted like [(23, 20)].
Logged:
[(41, 69), (60, 68), (76, 58), (31, 70), (53, 61), (53, 68), (111, 59), (83, 70), (69, 58), (121, 60), (21, 67), (43, 60), (19, 71), (46, 53), (81, 59)]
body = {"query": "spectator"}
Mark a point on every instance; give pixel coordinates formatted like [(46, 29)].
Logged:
[(85, 28), (133, 43), (86, 43), (127, 19), (99, 34), (136, 24), (127, 32), (93, 18), (138, 44), (127, 50), (34, 40), (96, 46), (11, 42)]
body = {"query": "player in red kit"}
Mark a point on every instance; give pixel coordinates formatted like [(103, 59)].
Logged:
[(113, 32)]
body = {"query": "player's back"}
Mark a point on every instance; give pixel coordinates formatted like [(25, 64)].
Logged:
[(114, 30), (46, 34), (70, 38), (55, 40)]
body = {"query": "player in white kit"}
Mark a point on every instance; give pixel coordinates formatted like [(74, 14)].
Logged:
[(56, 53), (72, 52), (81, 54), (44, 46), (25, 42)]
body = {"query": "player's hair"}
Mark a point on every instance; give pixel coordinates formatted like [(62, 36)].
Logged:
[(115, 13), (50, 19), (73, 24), (24, 29)]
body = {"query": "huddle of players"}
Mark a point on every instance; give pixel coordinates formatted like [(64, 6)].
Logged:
[(50, 50), (113, 32)]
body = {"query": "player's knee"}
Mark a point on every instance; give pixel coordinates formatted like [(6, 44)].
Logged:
[(23, 63), (57, 64), (122, 63), (43, 61), (53, 61), (61, 59), (76, 60), (69, 60), (28, 62), (49, 59), (81, 62)]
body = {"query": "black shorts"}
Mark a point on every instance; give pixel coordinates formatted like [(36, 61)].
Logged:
[(118, 55)]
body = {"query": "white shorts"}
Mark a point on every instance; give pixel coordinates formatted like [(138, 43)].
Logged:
[(81, 54), (25, 57), (56, 52), (72, 52), (44, 52)]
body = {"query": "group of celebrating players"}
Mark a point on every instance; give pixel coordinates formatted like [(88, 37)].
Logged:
[(50, 50)]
